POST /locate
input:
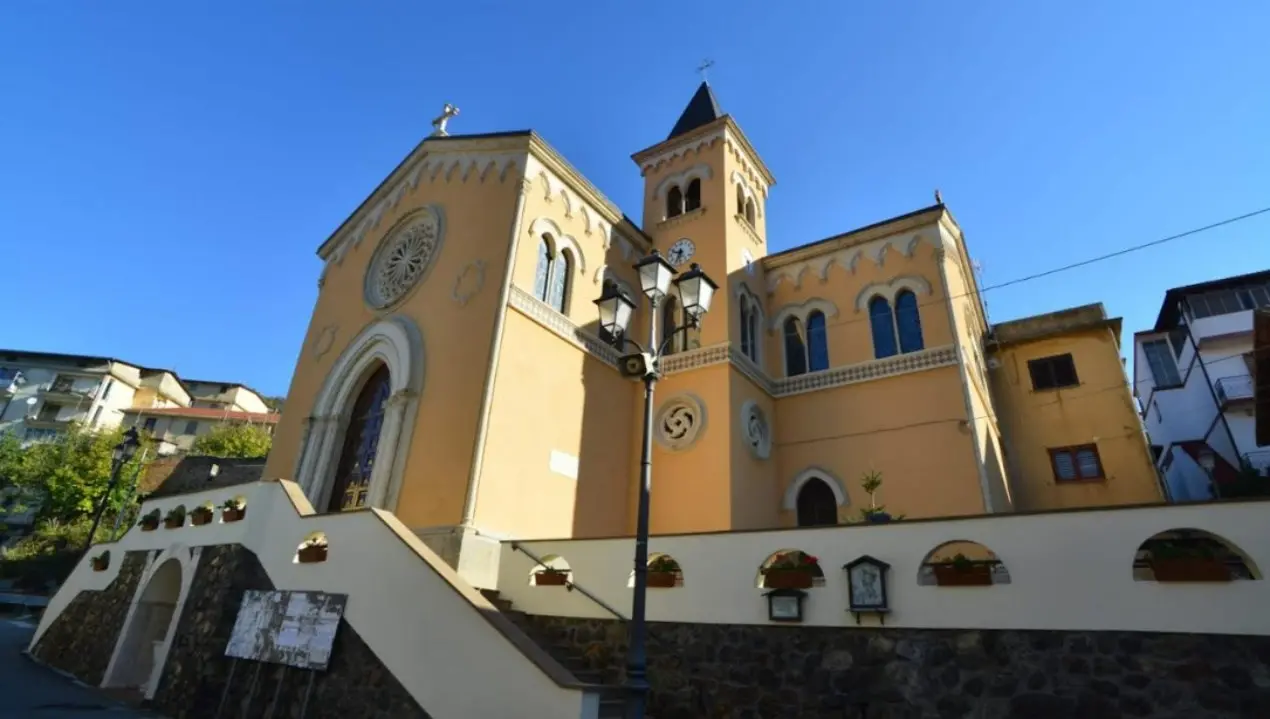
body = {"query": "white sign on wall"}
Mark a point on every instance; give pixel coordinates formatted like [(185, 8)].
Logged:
[(282, 627)]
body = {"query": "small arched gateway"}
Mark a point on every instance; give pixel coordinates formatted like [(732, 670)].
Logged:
[(138, 660)]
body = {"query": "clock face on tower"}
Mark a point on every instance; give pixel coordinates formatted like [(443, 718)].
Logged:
[(681, 252)]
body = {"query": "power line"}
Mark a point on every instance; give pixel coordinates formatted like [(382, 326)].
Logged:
[(1074, 265), (932, 422)]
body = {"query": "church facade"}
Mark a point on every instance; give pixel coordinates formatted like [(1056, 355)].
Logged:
[(454, 373)]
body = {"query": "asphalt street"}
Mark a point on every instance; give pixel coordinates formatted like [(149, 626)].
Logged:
[(31, 691)]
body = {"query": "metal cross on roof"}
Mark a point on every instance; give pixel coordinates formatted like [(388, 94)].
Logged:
[(705, 65)]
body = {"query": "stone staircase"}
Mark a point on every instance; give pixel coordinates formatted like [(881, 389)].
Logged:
[(612, 704)]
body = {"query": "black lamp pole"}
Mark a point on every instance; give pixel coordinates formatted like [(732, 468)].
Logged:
[(695, 292), (120, 456)]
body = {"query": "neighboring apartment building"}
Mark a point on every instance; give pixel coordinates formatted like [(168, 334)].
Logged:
[(225, 395), (865, 351), (43, 392), (1194, 375), (176, 428)]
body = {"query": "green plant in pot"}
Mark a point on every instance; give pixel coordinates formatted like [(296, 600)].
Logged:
[(233, 510), (792, 570), (150, 520), (551, 577), (1187, 560), (175, 518), (875, 513), (663, 571), (962, 571), (202, 514)]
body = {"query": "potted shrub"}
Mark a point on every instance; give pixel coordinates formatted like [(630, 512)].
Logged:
[(875, 513), (791, 570), (313, 550), (961, 571), (101, 562), (202, 514), (175, 518), (551, 577), (663, 571), (1187, 561), (233, 510), (150, 521)]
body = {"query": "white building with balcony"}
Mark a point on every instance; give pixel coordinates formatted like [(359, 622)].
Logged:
[(41, 393), (1194, 377), (230, 396)]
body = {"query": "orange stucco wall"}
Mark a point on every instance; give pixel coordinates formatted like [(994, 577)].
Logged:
[(456, 340), (1098, 411)]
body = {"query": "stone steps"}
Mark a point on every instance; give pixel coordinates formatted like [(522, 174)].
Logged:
[(612, 694)]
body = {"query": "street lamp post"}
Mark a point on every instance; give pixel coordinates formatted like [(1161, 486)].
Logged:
[(119, 457), (616, 309)]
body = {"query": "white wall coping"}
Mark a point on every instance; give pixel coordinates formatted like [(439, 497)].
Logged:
[(1070, 570)]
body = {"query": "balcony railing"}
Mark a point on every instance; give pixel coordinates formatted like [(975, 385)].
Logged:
[(1234, 389), (68, 389)]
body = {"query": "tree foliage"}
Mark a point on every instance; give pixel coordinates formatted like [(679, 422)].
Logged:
[(234, 440), (63, 479)]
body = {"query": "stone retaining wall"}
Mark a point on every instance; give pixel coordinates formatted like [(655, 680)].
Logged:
[(82, 638), (194, 678), (710, 671)]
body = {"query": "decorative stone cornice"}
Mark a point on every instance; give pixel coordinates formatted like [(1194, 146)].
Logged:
[(730, 352), (749, 231), (562, 326)]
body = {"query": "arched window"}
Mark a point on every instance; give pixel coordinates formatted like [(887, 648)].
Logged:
[(543, 272), (817, 342), (747, 339), (668, 325), (883, 327), (755, 337), (740, 201), (674, 202), (560, 273), (692, 199), (795, 349), (817, 505), (749, 211), (907, 322), (361, 441)]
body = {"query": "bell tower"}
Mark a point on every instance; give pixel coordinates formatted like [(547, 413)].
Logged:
[(705, 196)]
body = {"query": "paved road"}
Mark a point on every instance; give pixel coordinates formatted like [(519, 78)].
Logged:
[(29, 691)]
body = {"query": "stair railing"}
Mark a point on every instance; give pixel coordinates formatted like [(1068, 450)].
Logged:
[(570, 585)]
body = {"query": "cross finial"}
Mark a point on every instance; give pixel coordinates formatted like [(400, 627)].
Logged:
[(705, 65), (438, 125)]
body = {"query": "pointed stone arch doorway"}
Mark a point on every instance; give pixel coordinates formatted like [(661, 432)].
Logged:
[(143, 642)]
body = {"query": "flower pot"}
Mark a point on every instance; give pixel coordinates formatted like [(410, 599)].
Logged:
[(199, 517), (232, 515), (661, 579), (149, 525), (312, 553), (879, 518), (174, 522), (976, 575), (1189, 569), (788, 578), (100, 564), (550, 579)]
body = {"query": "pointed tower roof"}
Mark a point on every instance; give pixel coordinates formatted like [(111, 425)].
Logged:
[(702, 109)]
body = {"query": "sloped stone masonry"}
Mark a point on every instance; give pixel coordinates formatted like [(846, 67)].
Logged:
[(82, 638), (714, 671)]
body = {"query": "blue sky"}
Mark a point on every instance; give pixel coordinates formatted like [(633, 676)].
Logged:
[(169, 169)]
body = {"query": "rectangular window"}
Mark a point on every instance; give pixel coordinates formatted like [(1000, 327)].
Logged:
[(1163, 368), (7, 375), (1073, 464), (150, 423), (1053, 372), (191, 427), (48, 412), (96, 415), (105, 393), (1177, 338)]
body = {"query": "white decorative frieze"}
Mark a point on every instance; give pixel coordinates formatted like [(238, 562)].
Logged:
[(849, 257), (562, 326), (865, 371)]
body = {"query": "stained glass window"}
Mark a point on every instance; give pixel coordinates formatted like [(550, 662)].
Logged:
[(560, 281), (817, 342), (544, 269), (908, 322), (883, 327), (361, 442), (795, 350)]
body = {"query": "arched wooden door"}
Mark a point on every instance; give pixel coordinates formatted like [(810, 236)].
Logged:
[(361, 441)]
